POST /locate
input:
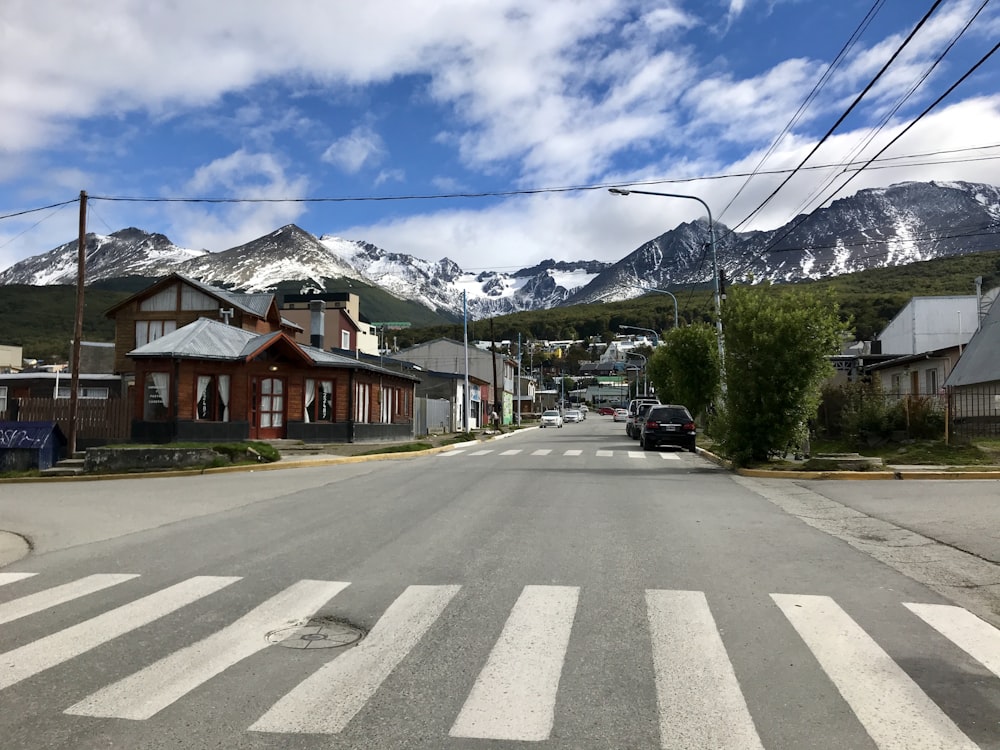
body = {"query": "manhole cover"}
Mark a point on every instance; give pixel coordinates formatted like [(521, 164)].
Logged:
[(316, 634)]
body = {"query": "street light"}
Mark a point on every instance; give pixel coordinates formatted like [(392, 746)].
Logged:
[(662, 291), (711, 242), (656, 336), (645, 382)]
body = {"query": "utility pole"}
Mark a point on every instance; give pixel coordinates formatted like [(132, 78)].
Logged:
[(467, 398), (74, 387), (496, 386)]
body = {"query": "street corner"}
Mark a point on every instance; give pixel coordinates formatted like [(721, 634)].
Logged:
[(13, 547)]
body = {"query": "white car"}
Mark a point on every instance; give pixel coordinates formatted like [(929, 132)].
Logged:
[(551, 418), (573, 415)]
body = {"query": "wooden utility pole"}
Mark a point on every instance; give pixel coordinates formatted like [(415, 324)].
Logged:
[(74, 388)]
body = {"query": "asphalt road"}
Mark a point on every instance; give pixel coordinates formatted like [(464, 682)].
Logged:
[(559, 587)]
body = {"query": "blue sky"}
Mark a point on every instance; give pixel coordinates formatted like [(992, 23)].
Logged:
[(386, 98)]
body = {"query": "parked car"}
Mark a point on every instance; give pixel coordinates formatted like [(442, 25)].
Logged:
[(607, 411), (552, 418), (573, 415), (633, 425), (621, 415), (583, 409), (668, 424)]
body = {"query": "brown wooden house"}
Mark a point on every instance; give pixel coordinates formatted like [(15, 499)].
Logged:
[(209, 380), (176, 300)]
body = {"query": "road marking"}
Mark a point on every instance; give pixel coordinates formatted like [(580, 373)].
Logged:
[(511, 452), (453, 453), (47, 652), (888, 703), (976, 637), (149, 691), (605, 454), (481, 453), (573, 453), (6, 578), (636, 454), (541, 452), (326, 701), (514, 696), (699, 698), (670, 456), (41, 601)]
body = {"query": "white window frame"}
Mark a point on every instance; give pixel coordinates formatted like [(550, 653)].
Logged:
[(3, 398), (151, 330), (345, 339)]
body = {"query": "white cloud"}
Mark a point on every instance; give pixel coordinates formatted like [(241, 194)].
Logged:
[(243, 173), (359, 148)]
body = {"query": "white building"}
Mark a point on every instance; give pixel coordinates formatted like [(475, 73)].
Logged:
[(928, 324)]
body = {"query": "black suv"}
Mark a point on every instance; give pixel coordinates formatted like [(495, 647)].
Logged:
[(668, 424)]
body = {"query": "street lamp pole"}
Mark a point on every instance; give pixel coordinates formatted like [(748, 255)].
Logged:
[(711, 242), (662, 291), (656, 336), (645, 374)]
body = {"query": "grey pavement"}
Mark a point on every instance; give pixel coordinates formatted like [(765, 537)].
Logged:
[(560, 588)]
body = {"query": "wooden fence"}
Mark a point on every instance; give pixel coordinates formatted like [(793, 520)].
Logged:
[(98, 420)]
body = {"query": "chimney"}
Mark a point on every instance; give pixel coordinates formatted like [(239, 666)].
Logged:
[(317, 313)]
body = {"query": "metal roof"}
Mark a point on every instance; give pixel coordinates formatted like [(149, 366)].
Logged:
[(213, 339), (980, 362), (203, 339)]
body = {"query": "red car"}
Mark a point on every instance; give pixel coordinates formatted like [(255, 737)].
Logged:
[(607, 411)]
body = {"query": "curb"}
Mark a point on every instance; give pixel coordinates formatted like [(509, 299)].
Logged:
[(13, 547), (847, 475)]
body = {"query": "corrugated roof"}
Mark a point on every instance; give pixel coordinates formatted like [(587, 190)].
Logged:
[(980, 362), (203, 339), (213, 339)]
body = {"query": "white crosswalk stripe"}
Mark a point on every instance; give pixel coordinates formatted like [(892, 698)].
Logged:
[(452, 453), (481, 453), (636, 454), (6, 578), (325, 702), (511, 452), (514, 682), (47, 652), (541, 452), (151, 690), (890, 705), (976, 637), (605, 454), (572, 453), (701, 705), (514, 697), (670, 457), (43, 600)]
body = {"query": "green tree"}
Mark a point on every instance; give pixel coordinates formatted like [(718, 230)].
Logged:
[(775, 363), (685, 370)]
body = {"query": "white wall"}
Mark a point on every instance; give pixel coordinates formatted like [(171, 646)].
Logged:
[(930, 323)]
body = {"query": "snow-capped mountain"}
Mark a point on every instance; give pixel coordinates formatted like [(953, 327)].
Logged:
[(440, 285), (873, 228), (127, 252), (878, 227)]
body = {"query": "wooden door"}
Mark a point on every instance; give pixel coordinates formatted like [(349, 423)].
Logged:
[(268, 421)]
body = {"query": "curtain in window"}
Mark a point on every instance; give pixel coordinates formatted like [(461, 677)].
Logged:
[(326, 400), (224, 397), (204, 409), (161, 381), (310, 396)]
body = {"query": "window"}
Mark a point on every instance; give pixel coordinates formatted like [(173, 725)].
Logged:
[(932, 386), (362, 402), (156, 397), (3, 398), (100, 393), (319, 400), (345, 339), (394, 404), (151, 330), (895, 385), (212, 396)]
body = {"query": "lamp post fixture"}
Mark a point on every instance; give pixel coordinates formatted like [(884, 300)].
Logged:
[(656, 336), (645, 382), (711, 242), (662, 291)]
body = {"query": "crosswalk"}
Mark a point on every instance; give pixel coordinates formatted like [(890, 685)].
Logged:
[(570, 452), (513, 690)]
